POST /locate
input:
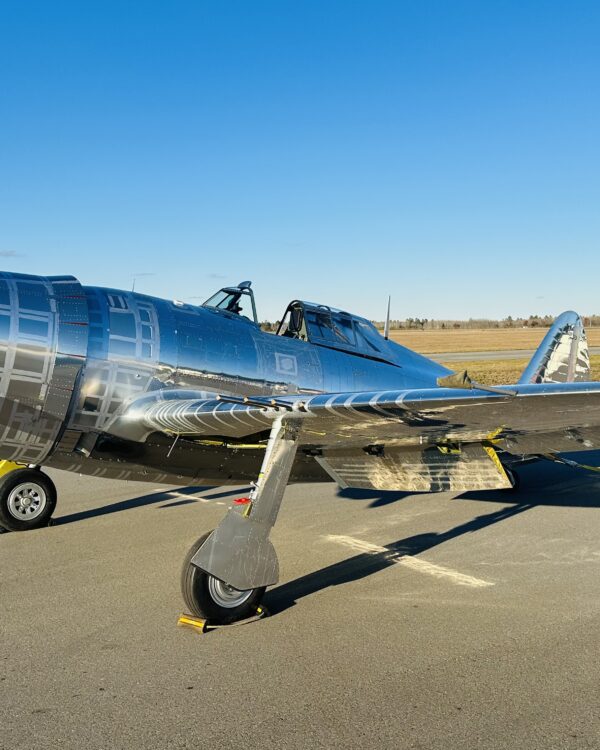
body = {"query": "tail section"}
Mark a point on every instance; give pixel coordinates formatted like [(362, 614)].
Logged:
[(563, 355)]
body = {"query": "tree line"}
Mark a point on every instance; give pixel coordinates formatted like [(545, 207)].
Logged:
[(427, 324), (434, 324)]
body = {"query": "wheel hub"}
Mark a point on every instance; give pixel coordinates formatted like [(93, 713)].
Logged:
[(27, 501), (225, 595)]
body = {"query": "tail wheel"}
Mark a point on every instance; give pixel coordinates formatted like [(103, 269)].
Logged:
[(27, 500), (207, 597)]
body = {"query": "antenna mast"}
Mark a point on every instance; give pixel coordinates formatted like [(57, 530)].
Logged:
[(386, 330)]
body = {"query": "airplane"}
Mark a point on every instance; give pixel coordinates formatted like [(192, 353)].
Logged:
[(123, 385)]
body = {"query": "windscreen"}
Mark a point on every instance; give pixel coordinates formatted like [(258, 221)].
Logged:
[(232, 300)]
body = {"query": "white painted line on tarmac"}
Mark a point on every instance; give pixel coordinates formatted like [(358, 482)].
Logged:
[(189, 497), (414, 563), (195, 497)]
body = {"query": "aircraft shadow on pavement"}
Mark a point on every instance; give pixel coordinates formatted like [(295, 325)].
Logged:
[(542, 483), (378, 498), (152, 498), (547, 483), (366, 564)]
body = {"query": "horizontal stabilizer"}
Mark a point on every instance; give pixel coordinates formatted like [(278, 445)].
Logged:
[(563, 356)]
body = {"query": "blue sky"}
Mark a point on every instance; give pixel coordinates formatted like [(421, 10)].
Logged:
[(446, 153)]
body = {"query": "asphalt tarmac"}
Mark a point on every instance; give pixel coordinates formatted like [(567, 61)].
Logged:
[(402, 621)]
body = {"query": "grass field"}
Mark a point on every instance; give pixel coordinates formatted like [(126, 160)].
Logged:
[(484, 340), (489, 372), (504, 371)]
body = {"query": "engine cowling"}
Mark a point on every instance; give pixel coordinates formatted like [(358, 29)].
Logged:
[(43, 345)]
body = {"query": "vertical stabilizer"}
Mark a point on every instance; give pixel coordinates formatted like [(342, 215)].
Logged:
[(563, 355)]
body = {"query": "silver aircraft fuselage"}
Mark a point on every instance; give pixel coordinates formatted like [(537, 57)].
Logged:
[(73, 357)]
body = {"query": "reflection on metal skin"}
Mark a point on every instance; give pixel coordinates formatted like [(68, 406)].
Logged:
[(43, 346)]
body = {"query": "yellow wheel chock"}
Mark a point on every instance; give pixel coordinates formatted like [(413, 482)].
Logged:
[(199, 625)]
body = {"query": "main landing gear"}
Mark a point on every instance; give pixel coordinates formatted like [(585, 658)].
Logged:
[(226, 572), (27, 497), (209, 598)]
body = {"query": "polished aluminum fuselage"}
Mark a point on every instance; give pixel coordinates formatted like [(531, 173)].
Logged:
[(73, 357)]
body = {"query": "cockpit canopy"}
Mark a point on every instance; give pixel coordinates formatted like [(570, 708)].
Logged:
[(336, 329), (307, 321), (237, 300)]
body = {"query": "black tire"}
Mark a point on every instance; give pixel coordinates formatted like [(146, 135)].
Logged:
[(198, 590), (27, 500)]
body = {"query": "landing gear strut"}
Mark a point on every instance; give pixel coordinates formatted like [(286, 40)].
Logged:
[(27, 499), (227, 571)]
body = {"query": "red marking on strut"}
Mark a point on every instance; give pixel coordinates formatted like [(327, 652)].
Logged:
[(242, 501)]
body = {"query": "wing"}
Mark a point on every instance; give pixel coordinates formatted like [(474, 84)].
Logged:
[(436, 438), (528, 418)]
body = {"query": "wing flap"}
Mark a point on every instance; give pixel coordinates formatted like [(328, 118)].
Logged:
[(469, 468)]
